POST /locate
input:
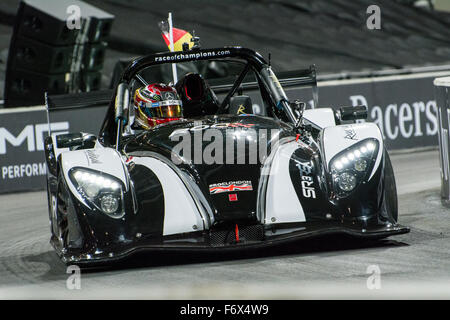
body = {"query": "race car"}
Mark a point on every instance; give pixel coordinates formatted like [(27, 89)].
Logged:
[(242, 167)]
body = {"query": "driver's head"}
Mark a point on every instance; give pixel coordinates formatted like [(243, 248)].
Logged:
[(198, 98), (156, 104)]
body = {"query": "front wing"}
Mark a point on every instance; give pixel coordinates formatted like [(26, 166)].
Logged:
[(232, 238)]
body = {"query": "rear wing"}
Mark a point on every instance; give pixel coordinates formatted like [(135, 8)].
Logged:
[(64, 102), (301, 78), (78, 100), (297, 78)]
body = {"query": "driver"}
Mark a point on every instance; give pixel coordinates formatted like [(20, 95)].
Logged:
[(155, 104)]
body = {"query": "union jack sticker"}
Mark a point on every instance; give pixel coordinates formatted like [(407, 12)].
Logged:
[(230, 186)]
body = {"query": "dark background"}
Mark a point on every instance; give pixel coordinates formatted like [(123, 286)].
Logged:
[(329, 33)]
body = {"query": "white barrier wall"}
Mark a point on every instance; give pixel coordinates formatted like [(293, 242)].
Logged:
[(22, 134), (404, 107), (443, 101)]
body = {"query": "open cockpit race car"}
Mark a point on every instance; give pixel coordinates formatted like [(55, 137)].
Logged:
[(240, 167)]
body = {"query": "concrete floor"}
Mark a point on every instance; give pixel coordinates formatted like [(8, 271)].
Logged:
[(414, 265)]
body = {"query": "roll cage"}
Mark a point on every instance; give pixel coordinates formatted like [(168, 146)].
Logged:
[(117, 114)]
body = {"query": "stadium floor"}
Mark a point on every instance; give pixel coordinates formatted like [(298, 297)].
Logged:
[(414, 265)]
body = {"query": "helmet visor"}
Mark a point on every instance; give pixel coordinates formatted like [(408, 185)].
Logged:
[(164, 109)]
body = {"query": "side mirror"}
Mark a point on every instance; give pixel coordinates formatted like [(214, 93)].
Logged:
[(352, 113), (73, 140)]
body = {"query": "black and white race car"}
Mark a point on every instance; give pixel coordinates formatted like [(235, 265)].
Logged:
[(257, 171)]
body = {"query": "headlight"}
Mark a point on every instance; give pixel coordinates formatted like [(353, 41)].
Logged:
[(105, 192), (361, 165), (350, 167), (109, 204), (346, 181)]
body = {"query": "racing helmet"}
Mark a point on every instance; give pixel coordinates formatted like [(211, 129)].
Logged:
[(197, 96), (156, 104)]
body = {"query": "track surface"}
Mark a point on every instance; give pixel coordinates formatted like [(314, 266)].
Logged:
[(415, 265)]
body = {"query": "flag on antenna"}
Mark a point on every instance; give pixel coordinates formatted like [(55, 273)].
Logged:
[(179, 36)]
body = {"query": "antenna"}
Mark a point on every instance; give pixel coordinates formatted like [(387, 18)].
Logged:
[(48, 115), (172, 48), (195, 40)]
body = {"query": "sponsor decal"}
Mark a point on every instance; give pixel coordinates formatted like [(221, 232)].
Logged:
[(230, 187), (402, 120), (92, 157), (350, 133), (247, 115), (164, 103), (23, 170), (306, 169), (241, 110), (199, 126), (240, 125), (31, 135), (233, 197), (169, 96), (192, 56)]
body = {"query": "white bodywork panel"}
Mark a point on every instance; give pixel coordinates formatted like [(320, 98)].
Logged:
[(321, 117), (104, 160), (338, 138), (282, 203), (180, 211), (58, 151)]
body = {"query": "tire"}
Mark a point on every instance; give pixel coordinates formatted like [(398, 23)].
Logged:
[(390, 189), (59, 217)]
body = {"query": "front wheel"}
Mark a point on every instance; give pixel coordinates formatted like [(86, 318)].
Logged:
[(59, 216), (390, 189)]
